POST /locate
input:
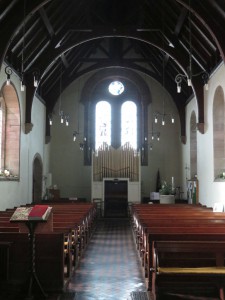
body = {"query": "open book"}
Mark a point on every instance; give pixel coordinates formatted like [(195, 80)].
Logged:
[(37, 212)]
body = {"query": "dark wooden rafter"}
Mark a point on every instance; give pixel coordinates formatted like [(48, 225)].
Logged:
[(46, 21), (57, 52), (7, 32), (75, 30), (216, 32), (8, 6)]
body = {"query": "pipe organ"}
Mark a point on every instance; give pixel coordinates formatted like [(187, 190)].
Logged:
[(123, 162)]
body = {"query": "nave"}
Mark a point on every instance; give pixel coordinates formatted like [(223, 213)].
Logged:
[(110, 268)]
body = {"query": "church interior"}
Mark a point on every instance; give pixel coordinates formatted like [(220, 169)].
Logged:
[(107, 111)]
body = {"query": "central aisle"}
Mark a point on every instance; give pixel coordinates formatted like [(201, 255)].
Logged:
[(110, 269)]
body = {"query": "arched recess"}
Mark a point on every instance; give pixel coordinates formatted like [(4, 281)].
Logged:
[(95, 87), (11, 128), (218, 132), (193, 145), (37, 178)]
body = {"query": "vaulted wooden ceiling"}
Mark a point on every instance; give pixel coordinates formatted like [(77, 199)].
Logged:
[(62, 40)]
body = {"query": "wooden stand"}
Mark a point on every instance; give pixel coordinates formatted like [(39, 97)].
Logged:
[(31, 225), (32, 276)]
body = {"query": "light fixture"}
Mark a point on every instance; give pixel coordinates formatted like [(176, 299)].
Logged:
[(205, 77), (163, 115), (67, 120), (61, 114), (36, 78), (63, 117), (22, 86), (154, 134), (8, 72), (50, 119), (23, 48), (188, 77), (81, 146), (75, 133)]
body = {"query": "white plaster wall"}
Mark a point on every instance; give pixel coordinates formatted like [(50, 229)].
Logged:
[(20, 192), (210, 191), (66, 159), (166, 153)]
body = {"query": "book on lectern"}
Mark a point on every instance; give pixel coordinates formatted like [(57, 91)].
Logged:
[(37, 212)]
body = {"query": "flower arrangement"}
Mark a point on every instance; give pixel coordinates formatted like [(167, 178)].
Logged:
[(6, 174), (166, 188), (222, 175)]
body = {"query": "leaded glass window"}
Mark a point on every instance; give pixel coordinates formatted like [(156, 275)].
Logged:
[(129, 124), (102, 124)]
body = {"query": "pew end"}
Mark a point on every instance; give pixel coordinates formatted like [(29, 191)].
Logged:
[(188, 268)]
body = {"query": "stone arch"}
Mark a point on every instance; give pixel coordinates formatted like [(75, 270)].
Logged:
[(37, 179), (218, 132)]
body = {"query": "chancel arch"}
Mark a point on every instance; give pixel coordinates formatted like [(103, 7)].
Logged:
[(218, 132)]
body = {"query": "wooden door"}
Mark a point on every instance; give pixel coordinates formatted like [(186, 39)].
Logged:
[(116, 198)]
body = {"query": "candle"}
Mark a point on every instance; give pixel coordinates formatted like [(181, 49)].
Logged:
[(172, 182)]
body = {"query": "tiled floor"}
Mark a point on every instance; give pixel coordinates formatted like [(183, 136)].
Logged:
[(110, 269)]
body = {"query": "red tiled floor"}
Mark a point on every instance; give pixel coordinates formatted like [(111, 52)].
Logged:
[(110, 268)]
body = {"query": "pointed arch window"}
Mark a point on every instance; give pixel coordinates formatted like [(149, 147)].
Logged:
[(102, 124), (2, 110), (9, 133), (122, 92), (129, 124), (219, 133)]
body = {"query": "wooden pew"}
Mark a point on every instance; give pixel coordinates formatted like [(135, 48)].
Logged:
[(168, 220), (80, 214), (182, 258), (49, 260)]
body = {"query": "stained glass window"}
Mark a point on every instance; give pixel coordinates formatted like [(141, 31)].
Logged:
[(129, 124), (102, 124), (116, 88)]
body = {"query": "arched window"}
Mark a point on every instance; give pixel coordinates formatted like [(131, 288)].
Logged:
[(2, 131), (102, 124), (116, 90), (129, 124), (218, 132), (10, 131)]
